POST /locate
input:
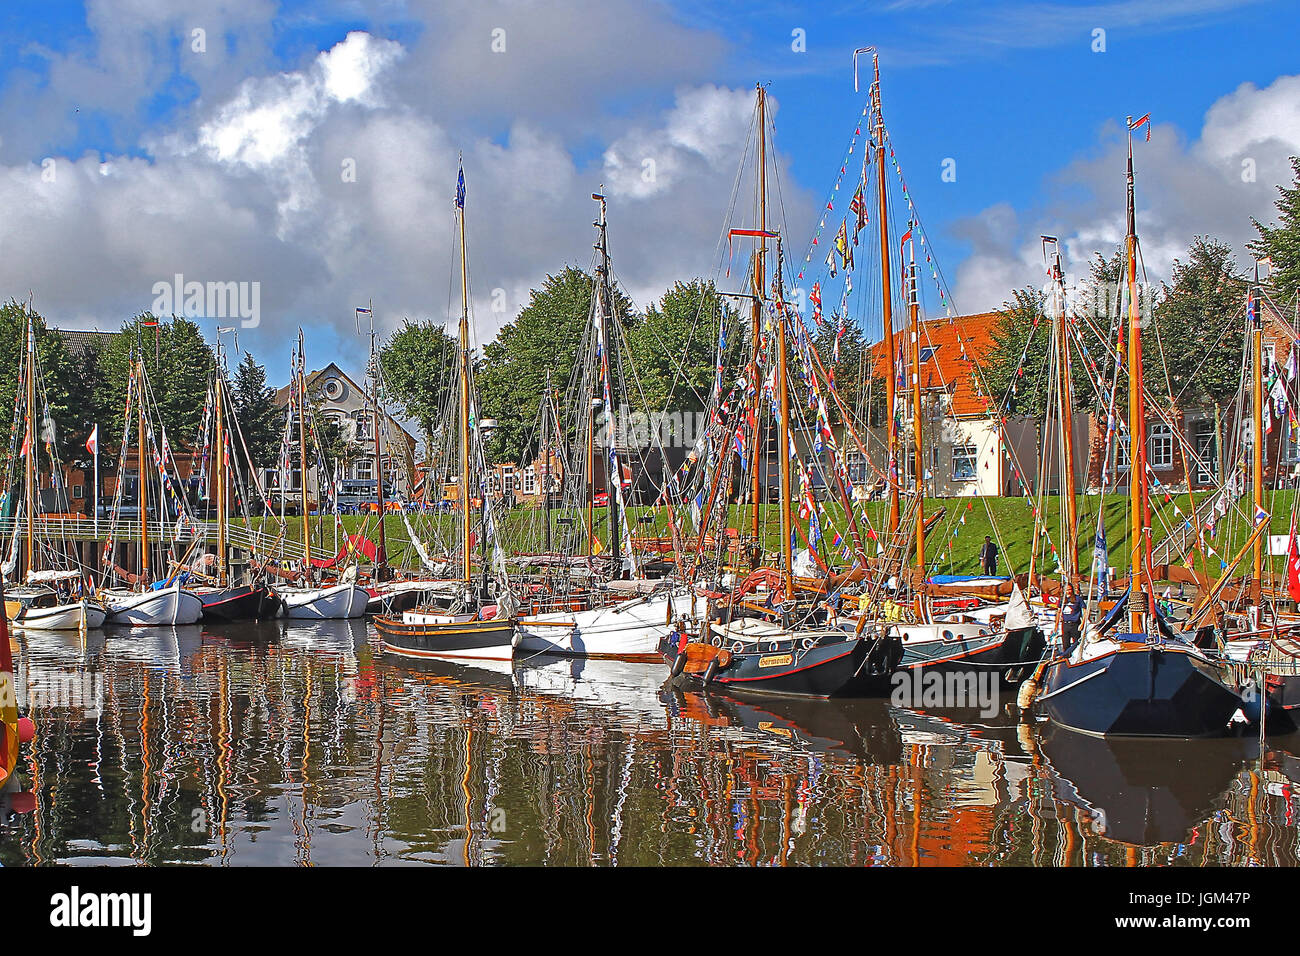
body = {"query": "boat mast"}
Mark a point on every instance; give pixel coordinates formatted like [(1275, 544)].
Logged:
[(1066, 404), (605, 301), (464, 383), (783, 436), (1257, 439), (918, 459), (1139, 540), (31, 448), (144, 487), (887, 306), (219, 435), (546, 459), (302, 454), (381, 565), (760, 277)]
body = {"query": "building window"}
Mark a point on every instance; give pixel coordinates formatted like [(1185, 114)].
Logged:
[(363, 469), (530, 480), (1121, 452), (1207, 452), (963, 462), (78, 491), (927, 352), (1160, 446), (363, 427), (857, 466)]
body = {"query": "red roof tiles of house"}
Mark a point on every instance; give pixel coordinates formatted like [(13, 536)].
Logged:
[(949, 350)]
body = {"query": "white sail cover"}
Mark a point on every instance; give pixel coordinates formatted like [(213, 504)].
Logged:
[(1019, 614)]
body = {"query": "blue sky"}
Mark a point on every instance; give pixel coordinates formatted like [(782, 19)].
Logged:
[(221, 165)]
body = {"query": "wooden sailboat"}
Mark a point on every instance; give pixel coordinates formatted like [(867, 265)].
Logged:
[(1147, 680), (328, 600), (636, 613), (53, 598), (146, 603), (473, 627), (224, 600)]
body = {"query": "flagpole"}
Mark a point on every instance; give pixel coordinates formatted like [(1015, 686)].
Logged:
[(95, 431)]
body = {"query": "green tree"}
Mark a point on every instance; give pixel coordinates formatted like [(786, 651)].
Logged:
[(674, 348), (547, 335), (254, 408), (63, 384), (178, 364), (1281, 242), (419, 365)]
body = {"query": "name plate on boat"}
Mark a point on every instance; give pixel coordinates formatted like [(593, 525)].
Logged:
[(775, 660)]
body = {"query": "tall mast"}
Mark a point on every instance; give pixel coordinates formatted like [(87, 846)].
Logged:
[(918, 460), (382, 562), (302, 453), (464, 383), (219, 435), (760, 278), (1066, 404), (886, 293), (1257, 442), (31, 447), (144, 487), (546, 459), (605, 302), (783, 436), (1139, 540)]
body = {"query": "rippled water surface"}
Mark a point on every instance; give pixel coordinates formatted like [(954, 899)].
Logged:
[(293, 743)]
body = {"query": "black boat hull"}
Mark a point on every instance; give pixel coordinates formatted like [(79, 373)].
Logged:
[(833, 665), (1140, 690), (240, 603), (484, 640), (1014, 654)]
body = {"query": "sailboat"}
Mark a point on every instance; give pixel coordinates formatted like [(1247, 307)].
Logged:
[(630, 619), (52, 598), (1147, 680), (471, 626), (144, 603), (342, 598), (224, 600), (14, 730)]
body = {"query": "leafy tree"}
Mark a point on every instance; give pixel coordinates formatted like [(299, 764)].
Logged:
[(419, 365), (674, 348), (547, 335), (1200, 324), (178, 364), (1281, 242), (254, 407)]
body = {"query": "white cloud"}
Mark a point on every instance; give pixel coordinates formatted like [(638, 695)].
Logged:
[(1183, 189)]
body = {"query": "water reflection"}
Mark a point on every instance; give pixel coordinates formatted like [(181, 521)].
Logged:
[(296, 743)]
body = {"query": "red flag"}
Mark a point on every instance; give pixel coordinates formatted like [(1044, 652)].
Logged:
[(1293, 569), (92, 443), (27, 442)]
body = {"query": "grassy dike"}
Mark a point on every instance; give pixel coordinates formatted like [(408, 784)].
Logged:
[(1009, 520)]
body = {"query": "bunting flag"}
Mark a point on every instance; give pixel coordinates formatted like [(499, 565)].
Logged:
[(1144, 120), (816, 297), (460, 188), (92, 443), (842, 246), (859, 207)]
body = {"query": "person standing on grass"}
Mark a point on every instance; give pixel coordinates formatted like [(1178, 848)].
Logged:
[(989, 557)]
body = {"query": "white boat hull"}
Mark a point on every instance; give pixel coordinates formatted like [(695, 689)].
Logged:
[(630, 629), (324, 604), (63, 617), (162, 608)]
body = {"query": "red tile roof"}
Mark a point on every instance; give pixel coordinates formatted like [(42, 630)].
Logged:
[(958, 343)]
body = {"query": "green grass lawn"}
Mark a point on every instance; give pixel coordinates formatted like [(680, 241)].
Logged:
[(952, 546)]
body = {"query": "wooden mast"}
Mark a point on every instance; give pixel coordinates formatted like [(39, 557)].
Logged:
[(1257, 442), (144, 487), (30, 463), (757, 306), (613, 482), (783, 436), (302, 456), (1137, 478), (918, 452), (1066, 398), (887, 305), (467, 575), (219, 435)]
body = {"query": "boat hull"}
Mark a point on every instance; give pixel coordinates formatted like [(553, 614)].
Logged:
[(468, 638), (162, 608), (324, 604), (630, 630), (1140, 689), (238, 603), (943, 648), (832, 664), (63, 617)]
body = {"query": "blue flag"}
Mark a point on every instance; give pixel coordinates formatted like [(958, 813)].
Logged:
[(460, 188), (1100, 558)]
